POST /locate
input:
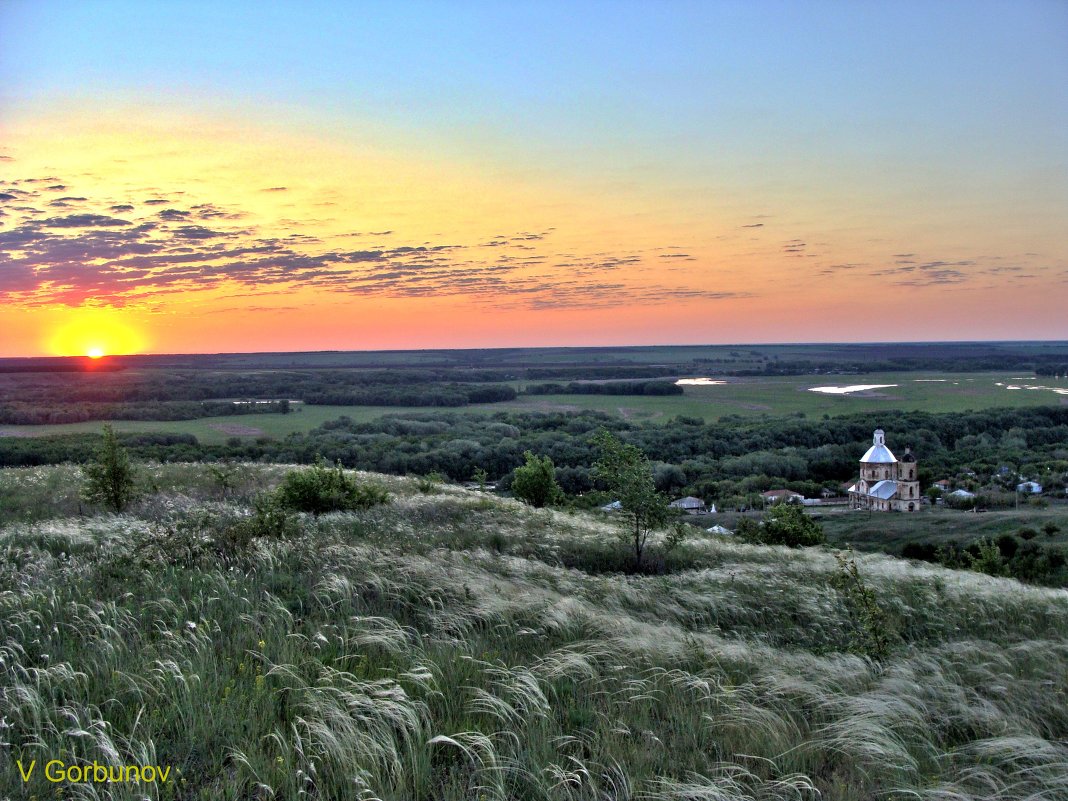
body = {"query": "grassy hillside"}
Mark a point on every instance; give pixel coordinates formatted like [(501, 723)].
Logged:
[(449, 646)]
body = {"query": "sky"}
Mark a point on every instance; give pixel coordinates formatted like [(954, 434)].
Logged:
[(269, 176)]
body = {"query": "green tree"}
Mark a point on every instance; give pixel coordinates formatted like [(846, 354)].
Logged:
[(535, 481), (109, 479), (627, 472), (786, 524)]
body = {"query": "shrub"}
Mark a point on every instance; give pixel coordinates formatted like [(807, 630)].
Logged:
[(109, 480), (224, 476), (1007, 545), (985, 557), (321, 488), (431, 482), (535, 481), (785, 524), (873, 633), (924, 551), (270, 519), (1027, 533), (747, 530)]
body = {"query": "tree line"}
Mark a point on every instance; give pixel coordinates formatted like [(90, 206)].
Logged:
[(605, 388), (725, 461)]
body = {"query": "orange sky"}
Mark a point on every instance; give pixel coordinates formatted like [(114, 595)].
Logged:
[(171, 217)]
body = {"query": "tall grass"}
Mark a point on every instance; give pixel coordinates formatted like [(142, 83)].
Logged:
[(397, 653)]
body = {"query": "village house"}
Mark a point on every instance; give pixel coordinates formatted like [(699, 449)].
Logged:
[(782, 496), (885, 484), (690, 505)]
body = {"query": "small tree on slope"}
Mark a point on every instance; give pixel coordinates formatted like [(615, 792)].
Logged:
[(629, 476), (109, 480)]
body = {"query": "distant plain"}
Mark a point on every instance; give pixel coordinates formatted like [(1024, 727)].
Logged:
[(933, 392)]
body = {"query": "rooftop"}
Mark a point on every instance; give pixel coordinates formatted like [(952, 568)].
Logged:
[(884, 490), (878, 453)]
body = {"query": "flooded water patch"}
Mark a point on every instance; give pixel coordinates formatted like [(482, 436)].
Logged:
[(698, 382), (850, 389), (1039, 387)]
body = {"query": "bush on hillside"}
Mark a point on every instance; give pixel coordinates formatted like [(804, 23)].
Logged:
[(1007, 545), (321, 488), (872, 632), (985, 557), (926, 551), (785, 524), (535, 482), (269, 520)]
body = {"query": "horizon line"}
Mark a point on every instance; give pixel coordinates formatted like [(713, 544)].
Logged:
[(555, 347)]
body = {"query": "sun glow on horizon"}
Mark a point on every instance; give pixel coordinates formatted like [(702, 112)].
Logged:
[(95, 333)]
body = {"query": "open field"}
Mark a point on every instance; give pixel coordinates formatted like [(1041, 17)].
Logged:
[(784, 395), (938, 525), (437, 649), (214, 430), (747, 397)]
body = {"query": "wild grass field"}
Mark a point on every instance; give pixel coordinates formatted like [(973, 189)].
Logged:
[(449, 646), (940, 526), (747, 397)]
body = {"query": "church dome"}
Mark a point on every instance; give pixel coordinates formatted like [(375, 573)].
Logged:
[(908, 457), (878, 453)]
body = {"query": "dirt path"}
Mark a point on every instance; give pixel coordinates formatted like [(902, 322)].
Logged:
[(236, 430)]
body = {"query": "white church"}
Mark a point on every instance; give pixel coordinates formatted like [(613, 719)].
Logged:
[(885, 484)]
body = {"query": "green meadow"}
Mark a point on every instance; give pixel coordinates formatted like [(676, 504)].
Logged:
[(215, 430), (786, 395), (747, 397)]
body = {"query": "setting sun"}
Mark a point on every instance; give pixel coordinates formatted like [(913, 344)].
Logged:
[(95, 333)]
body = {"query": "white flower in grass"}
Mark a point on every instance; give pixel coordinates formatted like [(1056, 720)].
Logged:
[(190, 625)]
